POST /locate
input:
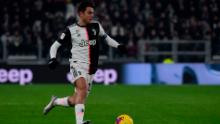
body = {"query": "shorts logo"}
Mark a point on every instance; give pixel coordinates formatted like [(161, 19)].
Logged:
[(75, 74), (79, 72)]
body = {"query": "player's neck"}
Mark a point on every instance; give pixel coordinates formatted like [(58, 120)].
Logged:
[(81, 23)]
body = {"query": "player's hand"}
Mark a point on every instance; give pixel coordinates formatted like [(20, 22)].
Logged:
[(52, 64), (122, 48)]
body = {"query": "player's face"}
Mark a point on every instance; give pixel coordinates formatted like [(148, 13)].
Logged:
[(87, 15)]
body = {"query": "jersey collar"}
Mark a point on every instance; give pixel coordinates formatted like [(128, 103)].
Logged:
[(81, 25)]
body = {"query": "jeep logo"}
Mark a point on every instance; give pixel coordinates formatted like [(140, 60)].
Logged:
[(85, 43)]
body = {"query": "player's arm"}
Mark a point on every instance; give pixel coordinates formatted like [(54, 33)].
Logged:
[(63, 39), (111, 42)]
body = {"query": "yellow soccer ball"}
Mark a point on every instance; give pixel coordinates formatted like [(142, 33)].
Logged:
[(124, 119)]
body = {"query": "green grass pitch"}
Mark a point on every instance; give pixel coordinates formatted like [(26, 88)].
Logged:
[(145, 104)]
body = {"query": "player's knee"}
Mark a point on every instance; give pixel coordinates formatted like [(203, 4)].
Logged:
[(81, 97), (81, 85), (71, 101), (82, 89), (82, 92)]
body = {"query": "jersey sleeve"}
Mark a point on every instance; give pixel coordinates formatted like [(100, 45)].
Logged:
[(111, 42), (102, 32), (65, 37), (53, 49)]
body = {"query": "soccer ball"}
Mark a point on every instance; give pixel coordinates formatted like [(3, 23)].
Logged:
[(124, 119)]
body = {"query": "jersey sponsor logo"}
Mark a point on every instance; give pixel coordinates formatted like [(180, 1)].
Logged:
[(84, 43)]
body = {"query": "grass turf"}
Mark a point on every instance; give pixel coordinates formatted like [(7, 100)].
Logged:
[(146, 104)]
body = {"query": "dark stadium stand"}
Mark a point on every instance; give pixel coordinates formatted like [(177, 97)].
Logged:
[(25, 24)]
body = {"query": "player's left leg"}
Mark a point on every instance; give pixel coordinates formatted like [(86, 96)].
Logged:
[(50, 105), (79, 96), (56, 102)]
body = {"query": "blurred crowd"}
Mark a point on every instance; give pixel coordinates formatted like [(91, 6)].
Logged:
[(25, 24)]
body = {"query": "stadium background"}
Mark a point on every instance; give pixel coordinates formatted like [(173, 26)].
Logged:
[(172, 42)]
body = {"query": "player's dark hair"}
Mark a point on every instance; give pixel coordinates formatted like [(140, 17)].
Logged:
[(83, 5)]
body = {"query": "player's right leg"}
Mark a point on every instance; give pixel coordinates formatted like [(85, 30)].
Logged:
[(81, 92)]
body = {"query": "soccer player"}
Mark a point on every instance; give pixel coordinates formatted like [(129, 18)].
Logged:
[(83, 36)]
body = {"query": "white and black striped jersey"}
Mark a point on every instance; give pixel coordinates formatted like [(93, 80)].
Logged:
[(85, 42)]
